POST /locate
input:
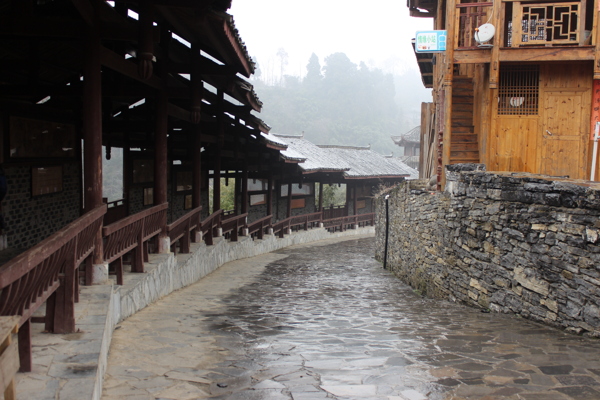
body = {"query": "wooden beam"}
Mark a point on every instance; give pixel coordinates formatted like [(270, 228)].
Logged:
[(531, 54), (119, 64), (86, 10)]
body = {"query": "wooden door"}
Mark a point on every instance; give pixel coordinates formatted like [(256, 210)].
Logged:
[(564, 134)]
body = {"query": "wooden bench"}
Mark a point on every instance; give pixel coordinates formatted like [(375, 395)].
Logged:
[(9, 356)]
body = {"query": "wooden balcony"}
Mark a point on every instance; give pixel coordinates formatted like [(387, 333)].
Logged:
[(525, 31)]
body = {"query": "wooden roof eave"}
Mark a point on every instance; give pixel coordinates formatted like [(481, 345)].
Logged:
[(376, 177), (215, 32)]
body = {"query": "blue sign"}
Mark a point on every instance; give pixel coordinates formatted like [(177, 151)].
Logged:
[(430, 41)]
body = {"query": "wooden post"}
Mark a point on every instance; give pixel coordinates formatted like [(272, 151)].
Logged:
[(244, 198), (9, 356), (348, 198), (270, 194), (289, 203), (217, 183), (160, 146), (146, 41), (236, 192), (25, 347), (220, 140), (92, 152), (495, 61), (596, 39), (196, 116), (321, 197), (354, 199)]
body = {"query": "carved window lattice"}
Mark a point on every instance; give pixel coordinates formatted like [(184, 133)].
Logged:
[(518, 90), (550, 23)]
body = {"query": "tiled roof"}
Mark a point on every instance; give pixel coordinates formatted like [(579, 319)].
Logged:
[(366, 163), (316, 159), (414, 135), (353, 162), (414, 174)]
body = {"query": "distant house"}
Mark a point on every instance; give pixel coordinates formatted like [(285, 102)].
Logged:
[(361, 169), (411, 145)]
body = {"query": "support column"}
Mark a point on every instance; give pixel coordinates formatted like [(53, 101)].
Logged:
[(217, 182), (289, 203), (348, 198), (92, 150), (320, 196), (160, 144), (220, 140), (236, 193), (270, 194), (244, 198), (354, 199), (196, 116)]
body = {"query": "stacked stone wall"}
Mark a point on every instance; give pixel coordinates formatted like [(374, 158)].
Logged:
[(512, 243), (30, 219)]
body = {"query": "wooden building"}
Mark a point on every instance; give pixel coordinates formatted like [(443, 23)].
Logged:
[(360, 169), (410, 142), (165, 82), (526, 100)]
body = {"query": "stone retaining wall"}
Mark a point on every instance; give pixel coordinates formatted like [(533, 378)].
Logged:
[(515, 243)]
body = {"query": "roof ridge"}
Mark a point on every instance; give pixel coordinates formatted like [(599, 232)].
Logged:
[(337, 146)]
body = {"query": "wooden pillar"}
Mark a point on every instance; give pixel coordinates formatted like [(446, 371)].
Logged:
[(92, 151), (24, 343), (217, 182), (244, 198), (495, 60), (289, 203), (348, 198), (355, 199), (160, 148), (596, 39), (196, 117), (237, 194), (270, 194), (160, 141), (220, 142), (320, 196)]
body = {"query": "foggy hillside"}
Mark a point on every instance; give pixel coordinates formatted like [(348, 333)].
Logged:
[(340, 102)]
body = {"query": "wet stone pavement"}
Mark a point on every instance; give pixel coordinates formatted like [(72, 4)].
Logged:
[(327, 322)]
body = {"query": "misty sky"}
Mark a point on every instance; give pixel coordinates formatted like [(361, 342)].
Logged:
[(377, 32)]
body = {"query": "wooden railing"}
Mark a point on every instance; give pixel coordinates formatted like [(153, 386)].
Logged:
[(335, 212), (470, 16), (116, 210), (259, 227), (209, 225), (233, 225), (9, 356), (48, 272), (307, 220), (184, 230), (133, 233), (351, 221)]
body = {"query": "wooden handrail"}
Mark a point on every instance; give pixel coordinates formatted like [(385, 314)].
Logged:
[(33, 277), (132, 233), (184, 227), (259, 226), (209, 224), (233, 225), (343, 222)]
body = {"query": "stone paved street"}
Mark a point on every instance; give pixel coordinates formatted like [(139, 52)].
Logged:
[(326, 321)]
